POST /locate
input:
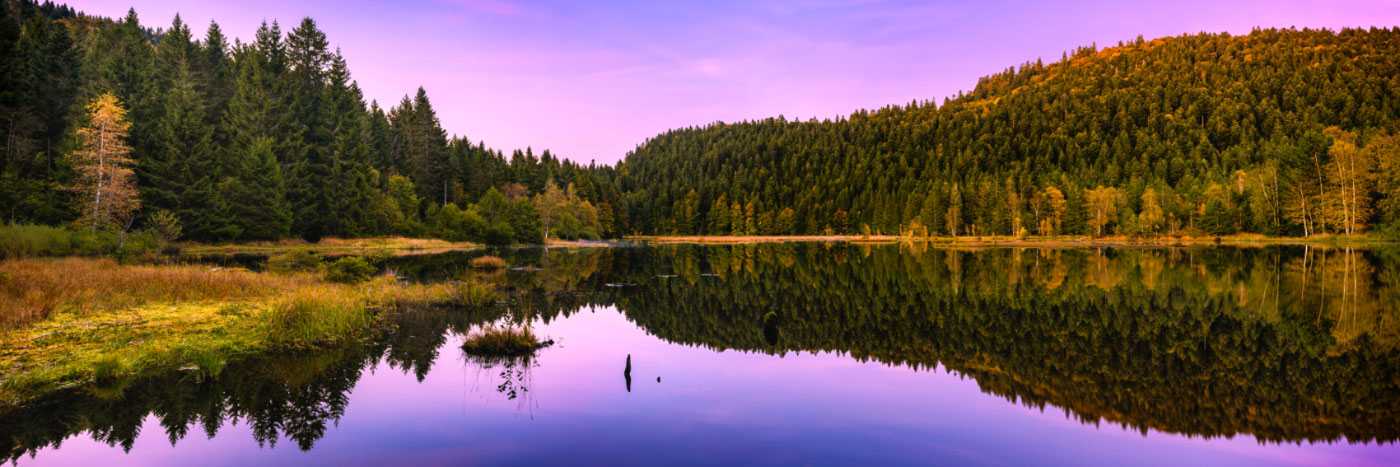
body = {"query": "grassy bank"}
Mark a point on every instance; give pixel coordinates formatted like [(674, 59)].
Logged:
[(77, 321), (339, 245), (1033, 241), (22, 241)]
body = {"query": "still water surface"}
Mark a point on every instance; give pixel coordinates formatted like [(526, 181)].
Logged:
[(873, 354)]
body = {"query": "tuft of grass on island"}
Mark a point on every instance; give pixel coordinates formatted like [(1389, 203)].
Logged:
[(80, 322), (1059, 241)]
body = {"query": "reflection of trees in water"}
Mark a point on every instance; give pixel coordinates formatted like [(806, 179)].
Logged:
[(279, 396), (1208, 342), (1286, 344), (511, 377)]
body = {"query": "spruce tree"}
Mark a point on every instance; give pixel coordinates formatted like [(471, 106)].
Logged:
[(307, 187), (347, 190), (255, 193)]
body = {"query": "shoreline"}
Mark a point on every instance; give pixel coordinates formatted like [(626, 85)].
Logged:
[(404, 245), (399, 245), (1030, 241), (90, 322)]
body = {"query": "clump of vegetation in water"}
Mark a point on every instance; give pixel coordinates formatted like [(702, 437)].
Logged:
[(504, 342), (488, 262), (349, 270), (295, 261)]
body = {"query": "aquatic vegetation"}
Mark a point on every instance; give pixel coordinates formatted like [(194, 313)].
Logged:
[(504, 342), (349, 270), (488, 262), (295, 261)]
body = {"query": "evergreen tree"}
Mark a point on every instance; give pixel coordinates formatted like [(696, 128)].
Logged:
[(255, 193)]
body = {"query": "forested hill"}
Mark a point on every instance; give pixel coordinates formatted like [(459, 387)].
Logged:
[(1287, 132)]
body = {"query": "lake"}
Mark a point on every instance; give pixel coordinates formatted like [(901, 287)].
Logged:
[(808, 353)]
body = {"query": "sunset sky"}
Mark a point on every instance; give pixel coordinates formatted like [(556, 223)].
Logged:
[(591, 80)]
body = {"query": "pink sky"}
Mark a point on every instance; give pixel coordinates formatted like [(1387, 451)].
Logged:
[(591, 80)]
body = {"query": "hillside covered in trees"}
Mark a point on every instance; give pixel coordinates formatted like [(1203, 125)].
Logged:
[(251, 141), (1280, 132)]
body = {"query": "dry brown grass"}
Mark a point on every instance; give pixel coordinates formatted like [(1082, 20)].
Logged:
[(33, 289), (488, 262)]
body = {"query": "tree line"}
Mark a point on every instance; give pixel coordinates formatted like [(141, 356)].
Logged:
[(252, 141), (1280, 132)]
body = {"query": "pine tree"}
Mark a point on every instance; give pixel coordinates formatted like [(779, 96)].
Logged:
[(347, 190), (421, 151), (182, 170), (311, 164), (255, 193), (215, 73)]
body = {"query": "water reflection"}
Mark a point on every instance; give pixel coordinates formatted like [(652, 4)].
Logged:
[(1287, 344)]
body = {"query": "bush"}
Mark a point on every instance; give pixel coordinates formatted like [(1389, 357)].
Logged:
[(499, 234), (165, 225), (349, 270)]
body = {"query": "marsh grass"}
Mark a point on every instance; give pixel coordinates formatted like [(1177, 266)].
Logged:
[(500, 341), (34, 289), (75, 322), (488, 262)]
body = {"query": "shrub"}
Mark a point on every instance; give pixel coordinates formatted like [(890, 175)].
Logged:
[(165, 225), (499, 234), (349, 270), (488, 262)]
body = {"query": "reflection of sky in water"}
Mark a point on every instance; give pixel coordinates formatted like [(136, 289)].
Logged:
[(709, 408)]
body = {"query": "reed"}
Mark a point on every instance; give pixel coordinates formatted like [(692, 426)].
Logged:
[(34, 289), (503, 342)]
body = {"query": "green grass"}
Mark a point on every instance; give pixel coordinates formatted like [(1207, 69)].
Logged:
[(27, 241), (106, 322)]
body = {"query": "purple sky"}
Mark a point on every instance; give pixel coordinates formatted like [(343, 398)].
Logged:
[(590, 79)]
